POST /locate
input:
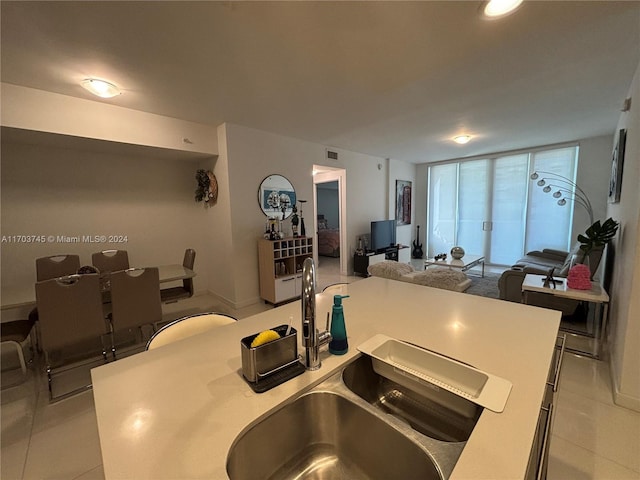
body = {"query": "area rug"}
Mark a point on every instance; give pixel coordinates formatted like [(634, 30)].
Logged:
[(486, 286)]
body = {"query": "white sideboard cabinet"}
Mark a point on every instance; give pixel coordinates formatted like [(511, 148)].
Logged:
[(280, 265)]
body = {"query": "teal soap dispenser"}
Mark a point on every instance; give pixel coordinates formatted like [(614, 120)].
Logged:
[(338, 344)]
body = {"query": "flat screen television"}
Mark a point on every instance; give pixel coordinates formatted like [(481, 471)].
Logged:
[(383, 234)]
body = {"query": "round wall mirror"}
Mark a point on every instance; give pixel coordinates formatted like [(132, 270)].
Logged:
[(276, 197)]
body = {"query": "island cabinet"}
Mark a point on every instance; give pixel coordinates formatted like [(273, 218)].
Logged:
[(539, 458), (280, 264)]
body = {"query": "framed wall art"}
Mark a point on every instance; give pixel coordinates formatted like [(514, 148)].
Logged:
[(617, 164), (403, 202)]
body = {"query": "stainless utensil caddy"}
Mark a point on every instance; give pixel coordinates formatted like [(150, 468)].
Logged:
[(271, 363)]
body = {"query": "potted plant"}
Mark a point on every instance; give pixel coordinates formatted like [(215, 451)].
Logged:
[(593, 241)]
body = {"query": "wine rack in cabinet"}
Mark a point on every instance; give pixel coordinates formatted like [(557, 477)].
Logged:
[(280, 263)]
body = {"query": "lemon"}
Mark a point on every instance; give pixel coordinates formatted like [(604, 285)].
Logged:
[(265, 337)]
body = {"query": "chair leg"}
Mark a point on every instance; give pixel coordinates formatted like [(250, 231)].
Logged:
[(23, 365), (18, 346), (49, 380)]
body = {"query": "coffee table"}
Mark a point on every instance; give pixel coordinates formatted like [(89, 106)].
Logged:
[(464, 264)]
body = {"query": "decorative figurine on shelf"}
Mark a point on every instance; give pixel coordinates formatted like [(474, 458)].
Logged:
[(285, 201), (441, 256), (549, 280), (579, 277), (294, 221), (360, 249), (303, 231)]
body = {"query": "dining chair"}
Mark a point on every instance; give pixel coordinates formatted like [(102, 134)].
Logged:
[(173, 294), (188, 326), (16, 333), (110, 260), (135, 300), (56, 266), (70, 314)]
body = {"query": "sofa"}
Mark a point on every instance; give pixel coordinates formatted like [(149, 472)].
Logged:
[(444, 278), (540, 262)]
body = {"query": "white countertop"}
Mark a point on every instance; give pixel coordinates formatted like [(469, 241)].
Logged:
[(174, 412)]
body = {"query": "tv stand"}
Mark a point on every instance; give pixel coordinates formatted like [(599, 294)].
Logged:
[(390, 253), (361, 262)]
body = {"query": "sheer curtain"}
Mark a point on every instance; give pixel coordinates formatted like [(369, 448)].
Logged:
[(490, 207)]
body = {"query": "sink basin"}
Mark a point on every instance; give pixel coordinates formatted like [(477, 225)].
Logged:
[(324, 435), (430, 410)]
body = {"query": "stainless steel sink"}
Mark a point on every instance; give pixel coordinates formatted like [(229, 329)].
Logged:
[(431, 411), (324, 435), (357, 425)]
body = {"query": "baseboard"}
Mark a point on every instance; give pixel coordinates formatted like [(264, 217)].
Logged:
[(619, 398)]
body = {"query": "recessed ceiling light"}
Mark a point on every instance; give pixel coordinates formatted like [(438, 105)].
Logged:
[(462, 139), (101, 88), (498, 8)]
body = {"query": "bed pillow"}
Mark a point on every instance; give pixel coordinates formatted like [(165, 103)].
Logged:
[(389, 269)]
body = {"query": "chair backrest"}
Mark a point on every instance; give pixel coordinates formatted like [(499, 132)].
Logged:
[(188, 326), (56, 266), (110, 260), (189, 258), (135, 297), (188, 262), (69, 310)]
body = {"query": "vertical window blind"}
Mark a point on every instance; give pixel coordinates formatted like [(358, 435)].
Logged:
[(490, 206)]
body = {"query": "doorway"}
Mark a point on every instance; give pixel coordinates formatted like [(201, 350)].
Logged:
[(330, 223)]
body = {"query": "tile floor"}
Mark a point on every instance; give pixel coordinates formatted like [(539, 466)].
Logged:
[(592, 438)]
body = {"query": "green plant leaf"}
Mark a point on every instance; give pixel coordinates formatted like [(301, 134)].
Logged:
[(598, 235)]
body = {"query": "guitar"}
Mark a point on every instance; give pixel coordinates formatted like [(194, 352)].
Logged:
[(417, 247)]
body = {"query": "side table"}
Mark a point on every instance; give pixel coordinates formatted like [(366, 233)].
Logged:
[(596, 295)]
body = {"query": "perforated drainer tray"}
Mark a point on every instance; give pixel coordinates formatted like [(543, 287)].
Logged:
[(400, 361)]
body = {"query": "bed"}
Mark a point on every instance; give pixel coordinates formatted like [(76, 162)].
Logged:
[(328, 240)]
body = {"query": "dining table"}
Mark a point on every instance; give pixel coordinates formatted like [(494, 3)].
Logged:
[(22, 298)]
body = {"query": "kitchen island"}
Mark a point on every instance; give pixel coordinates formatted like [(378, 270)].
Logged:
[(174, 412)]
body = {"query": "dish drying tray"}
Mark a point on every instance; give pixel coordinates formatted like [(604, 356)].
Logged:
[(393, 358)]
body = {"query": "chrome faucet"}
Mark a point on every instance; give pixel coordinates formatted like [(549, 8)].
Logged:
[(312, 339)]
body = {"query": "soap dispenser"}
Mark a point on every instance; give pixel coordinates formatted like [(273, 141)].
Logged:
[(338, 344)]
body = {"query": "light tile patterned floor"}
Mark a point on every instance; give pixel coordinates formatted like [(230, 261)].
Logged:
[(592, 437)]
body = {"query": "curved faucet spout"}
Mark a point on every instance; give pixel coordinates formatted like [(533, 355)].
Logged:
[(312, 339)]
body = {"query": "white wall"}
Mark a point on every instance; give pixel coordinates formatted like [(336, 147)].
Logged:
[(69, 191), (61, 191), (624, 314), (218, 250), (594, 168), (37, 110), (399, 170), (253, 155)]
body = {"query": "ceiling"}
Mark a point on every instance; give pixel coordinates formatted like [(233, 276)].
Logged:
[(391, 79)]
